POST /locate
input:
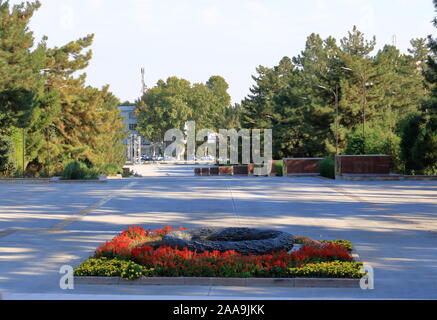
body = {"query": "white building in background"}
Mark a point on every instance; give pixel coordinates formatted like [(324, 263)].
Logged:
[(136, 145)]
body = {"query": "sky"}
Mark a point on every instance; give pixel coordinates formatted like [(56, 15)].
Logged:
[(195, 39)]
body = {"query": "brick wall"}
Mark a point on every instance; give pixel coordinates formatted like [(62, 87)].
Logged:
[(295, 166), (241, 170), (377, 164)]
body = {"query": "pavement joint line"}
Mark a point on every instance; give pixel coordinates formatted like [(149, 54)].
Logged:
[(6, 232), (82, 213), (234, 205)]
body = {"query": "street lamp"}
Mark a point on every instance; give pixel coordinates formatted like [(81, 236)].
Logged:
[(335, 92)]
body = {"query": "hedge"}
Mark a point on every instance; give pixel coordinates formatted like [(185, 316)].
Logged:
[(104, 267), (335, 269)]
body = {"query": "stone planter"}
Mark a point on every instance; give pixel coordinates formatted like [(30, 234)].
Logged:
[(240, 282)]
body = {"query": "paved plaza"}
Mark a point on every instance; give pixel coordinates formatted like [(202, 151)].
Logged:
[(393, 225)]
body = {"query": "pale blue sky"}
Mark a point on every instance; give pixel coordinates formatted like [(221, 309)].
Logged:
[(195, 39)]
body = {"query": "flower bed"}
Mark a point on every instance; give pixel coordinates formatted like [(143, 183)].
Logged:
[(136, 253)]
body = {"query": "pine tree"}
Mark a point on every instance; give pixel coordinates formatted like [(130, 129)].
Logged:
[(261, 110), (419, 141), (88, 126), (359, 88), (319, 73), (20, 65)]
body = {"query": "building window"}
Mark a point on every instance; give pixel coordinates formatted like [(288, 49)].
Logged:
[(132, 127)]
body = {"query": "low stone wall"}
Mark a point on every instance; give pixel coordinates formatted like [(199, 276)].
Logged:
[(241, 170), (363, 165), (226, 171), (47, 180), (214, 171), (301, 166), (420, 178), (25, 181), (205, 171), (238, 170)]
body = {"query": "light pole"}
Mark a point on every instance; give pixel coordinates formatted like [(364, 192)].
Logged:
[(336, 93)]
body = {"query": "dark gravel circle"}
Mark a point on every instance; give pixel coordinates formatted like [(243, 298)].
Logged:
[(242, 240)]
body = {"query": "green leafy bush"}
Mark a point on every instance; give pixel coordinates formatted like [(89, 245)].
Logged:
[(7, 160), (111, 169), (419, 145), (104, 267), (335, 269), (279, 168), (327, 168), (77, 170), (378, 140)]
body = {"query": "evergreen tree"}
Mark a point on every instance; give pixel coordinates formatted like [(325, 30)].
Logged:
[(20, 65), (419, 140), (260, 110), (319, 75)]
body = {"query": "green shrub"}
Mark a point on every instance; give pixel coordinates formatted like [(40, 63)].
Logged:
[(279, 168), (7, 157), (111, 170), (378, 140), (104, 267), (419, 145), (335, 269), (327, 168), (77, 170)]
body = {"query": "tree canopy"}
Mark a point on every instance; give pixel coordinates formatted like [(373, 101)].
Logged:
[(171, 103), (44, 100), (375, 92)]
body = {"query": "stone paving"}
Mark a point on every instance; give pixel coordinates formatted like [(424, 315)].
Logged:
[(393, 225)]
